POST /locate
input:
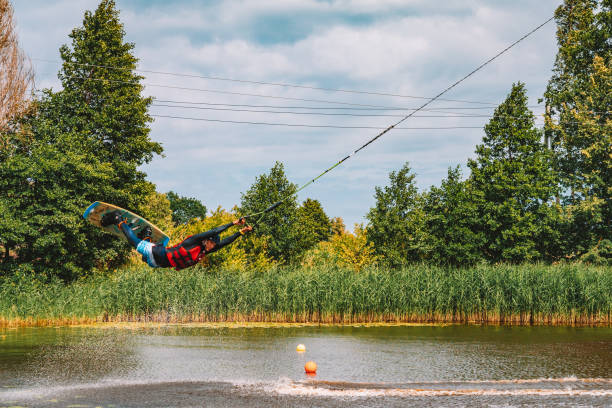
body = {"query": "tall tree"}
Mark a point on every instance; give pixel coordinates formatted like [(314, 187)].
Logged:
[(279, 227), (313, 224), (452, 222), (185, 208), (578, 120), (397, 220), (512, 173)]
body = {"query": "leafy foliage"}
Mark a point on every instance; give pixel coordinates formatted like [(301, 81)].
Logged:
[(47, 187), (343, 250), (185, 208), (83, 143), (279, 227), (578, 100), (314, 225), (337, 226), (514, 181), (600, 254), (104, 106), (157, 211), (452, 222), (397, 221)]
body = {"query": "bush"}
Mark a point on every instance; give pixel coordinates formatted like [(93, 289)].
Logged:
[(600, 254), (344, 250)]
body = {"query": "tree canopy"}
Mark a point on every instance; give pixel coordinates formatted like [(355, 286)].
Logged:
[(578, 122), (397, 221), (185, 208), (280, 226), (512, 173)]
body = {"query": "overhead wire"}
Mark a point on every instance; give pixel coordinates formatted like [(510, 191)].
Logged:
[(247, 81), (350, 105), (390, 108), (452, 115), (311, 125), (218, 91)]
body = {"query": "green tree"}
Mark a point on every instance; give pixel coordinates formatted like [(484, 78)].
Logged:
[(101, 103), (45, 189), (578, 124), (512, 173), (185, 208), (279, 227), (313, 224), (337, 226), (158, 211), (452, 222), (397, 221)]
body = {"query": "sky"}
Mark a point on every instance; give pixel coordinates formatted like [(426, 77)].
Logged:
[(405, 48)]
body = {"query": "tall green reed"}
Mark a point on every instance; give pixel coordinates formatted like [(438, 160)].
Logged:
[(531, 293)]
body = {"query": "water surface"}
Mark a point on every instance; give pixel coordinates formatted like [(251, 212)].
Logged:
[(185, 366)]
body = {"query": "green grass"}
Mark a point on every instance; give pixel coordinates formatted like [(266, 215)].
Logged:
[(527, 294)]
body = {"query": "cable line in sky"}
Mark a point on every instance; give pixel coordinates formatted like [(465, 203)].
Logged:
[(306, 125), (246, 81), (208, 108)]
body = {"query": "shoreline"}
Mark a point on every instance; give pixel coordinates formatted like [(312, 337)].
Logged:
[(137, 323)]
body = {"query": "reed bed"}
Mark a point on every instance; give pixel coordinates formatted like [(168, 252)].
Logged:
[(502, 294)]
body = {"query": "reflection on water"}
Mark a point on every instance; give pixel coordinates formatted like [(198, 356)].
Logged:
[(358, 366)]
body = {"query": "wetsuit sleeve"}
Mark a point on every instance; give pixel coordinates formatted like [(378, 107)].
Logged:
[(196, 239), (214, 231), (222, 228), (226, 241), (129, 234)]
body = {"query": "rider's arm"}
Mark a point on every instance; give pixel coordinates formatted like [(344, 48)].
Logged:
[(220, 229), (129, 234), (215, 231), (231, 238), (226, 241)]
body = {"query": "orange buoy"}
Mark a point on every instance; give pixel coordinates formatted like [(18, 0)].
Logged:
[(300, 348), (310, 367)]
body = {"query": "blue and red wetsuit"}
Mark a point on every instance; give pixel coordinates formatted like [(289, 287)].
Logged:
[(187, 253)]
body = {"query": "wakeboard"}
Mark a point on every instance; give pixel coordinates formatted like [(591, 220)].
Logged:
[(96, 211)]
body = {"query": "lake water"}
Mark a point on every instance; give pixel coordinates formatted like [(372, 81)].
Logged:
[(189, 366)]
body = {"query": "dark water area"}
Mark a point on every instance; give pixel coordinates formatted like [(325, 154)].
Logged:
[(186, 366)]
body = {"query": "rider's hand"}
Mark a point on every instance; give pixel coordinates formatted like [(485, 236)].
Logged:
[(241, 221), (246, 229)]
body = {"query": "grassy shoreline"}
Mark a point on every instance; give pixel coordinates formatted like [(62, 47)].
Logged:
[(502, 294)]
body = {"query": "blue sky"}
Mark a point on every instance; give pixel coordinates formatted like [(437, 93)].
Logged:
[(411, 48)]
